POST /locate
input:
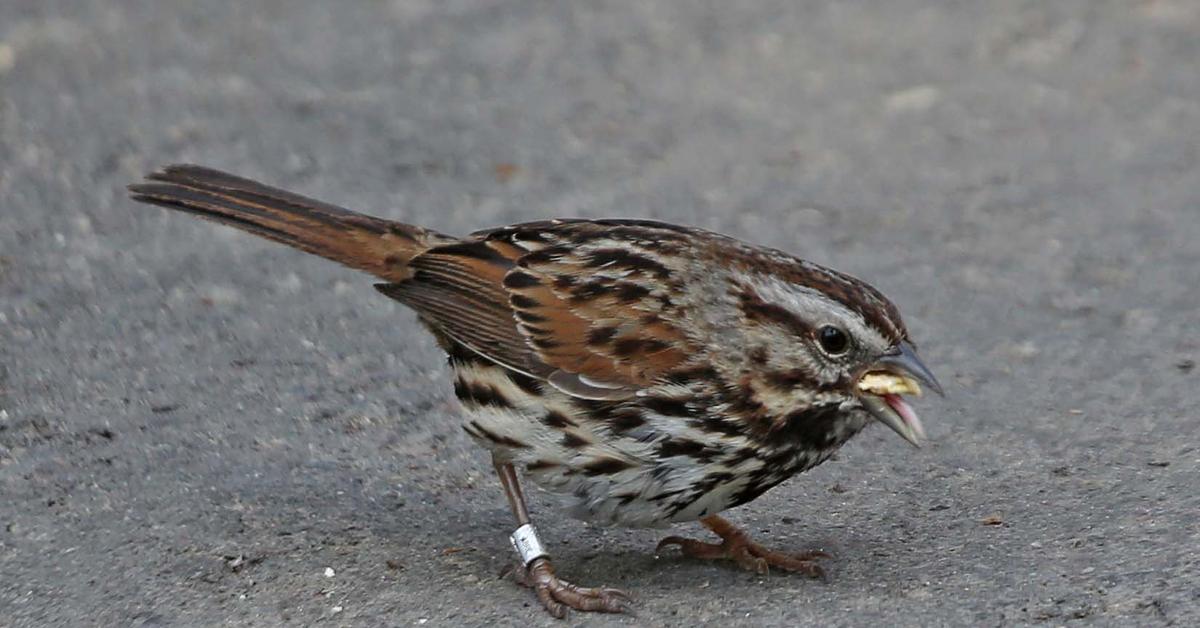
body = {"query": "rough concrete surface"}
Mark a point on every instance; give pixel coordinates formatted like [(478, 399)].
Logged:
[(201, 428)]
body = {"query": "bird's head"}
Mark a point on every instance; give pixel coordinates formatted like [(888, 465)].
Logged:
[(829, 341)]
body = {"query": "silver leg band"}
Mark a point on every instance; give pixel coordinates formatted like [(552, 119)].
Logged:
[(525, 541)]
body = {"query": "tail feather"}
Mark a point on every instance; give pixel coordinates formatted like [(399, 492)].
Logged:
[(380, 247)]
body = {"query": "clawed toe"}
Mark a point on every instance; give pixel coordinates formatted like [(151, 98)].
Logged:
[(748, 555), (804, 563), (558, 595)]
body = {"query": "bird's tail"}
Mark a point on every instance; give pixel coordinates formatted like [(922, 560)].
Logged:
[(380, 247)]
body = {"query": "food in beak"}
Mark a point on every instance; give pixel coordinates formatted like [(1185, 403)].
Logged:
[(885, 383), (882, 399)]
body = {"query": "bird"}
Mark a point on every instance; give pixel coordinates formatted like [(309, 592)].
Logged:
[(646, 373)]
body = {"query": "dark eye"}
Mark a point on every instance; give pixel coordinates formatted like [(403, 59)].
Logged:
[(833, 340)]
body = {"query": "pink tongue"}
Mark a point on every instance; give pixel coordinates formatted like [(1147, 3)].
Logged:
[(906, 412)]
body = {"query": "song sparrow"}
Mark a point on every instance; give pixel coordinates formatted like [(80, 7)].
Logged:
[(650, 373)]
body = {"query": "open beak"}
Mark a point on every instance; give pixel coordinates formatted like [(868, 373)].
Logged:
[(896, 373)]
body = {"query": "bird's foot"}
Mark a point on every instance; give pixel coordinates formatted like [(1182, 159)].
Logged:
[(558, 595), (736, 545)]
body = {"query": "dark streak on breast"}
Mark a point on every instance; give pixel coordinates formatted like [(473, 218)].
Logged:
[(480, 394), (606, 466), (557, 419), (624, 420), (571, 440), (497, 438), (687, 447), (809, 428), (541, 465), (667, 406), (527, 384)]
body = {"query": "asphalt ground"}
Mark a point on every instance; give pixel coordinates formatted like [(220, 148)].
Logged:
[(201, 428)]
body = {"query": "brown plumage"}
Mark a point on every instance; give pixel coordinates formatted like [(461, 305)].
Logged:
[(647, 372)]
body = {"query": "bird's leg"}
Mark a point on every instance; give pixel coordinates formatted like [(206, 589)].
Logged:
[(535, 570), (736, 545)]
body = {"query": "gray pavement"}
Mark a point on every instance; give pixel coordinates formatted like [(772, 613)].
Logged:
[(200, 428)]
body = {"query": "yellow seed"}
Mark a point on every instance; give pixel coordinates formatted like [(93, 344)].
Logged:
[(882, 383)]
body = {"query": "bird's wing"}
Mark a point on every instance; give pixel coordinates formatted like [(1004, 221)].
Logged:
[(583, 305)]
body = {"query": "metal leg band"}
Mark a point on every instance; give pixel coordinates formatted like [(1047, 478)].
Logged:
[(525, 541)]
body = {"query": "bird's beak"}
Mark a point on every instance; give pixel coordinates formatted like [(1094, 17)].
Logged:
[(897, 372), (903, 361)]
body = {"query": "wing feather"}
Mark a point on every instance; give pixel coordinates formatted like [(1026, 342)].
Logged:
[(582, 305)]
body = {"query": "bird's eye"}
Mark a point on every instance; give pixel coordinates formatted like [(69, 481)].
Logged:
[(833, 340)]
